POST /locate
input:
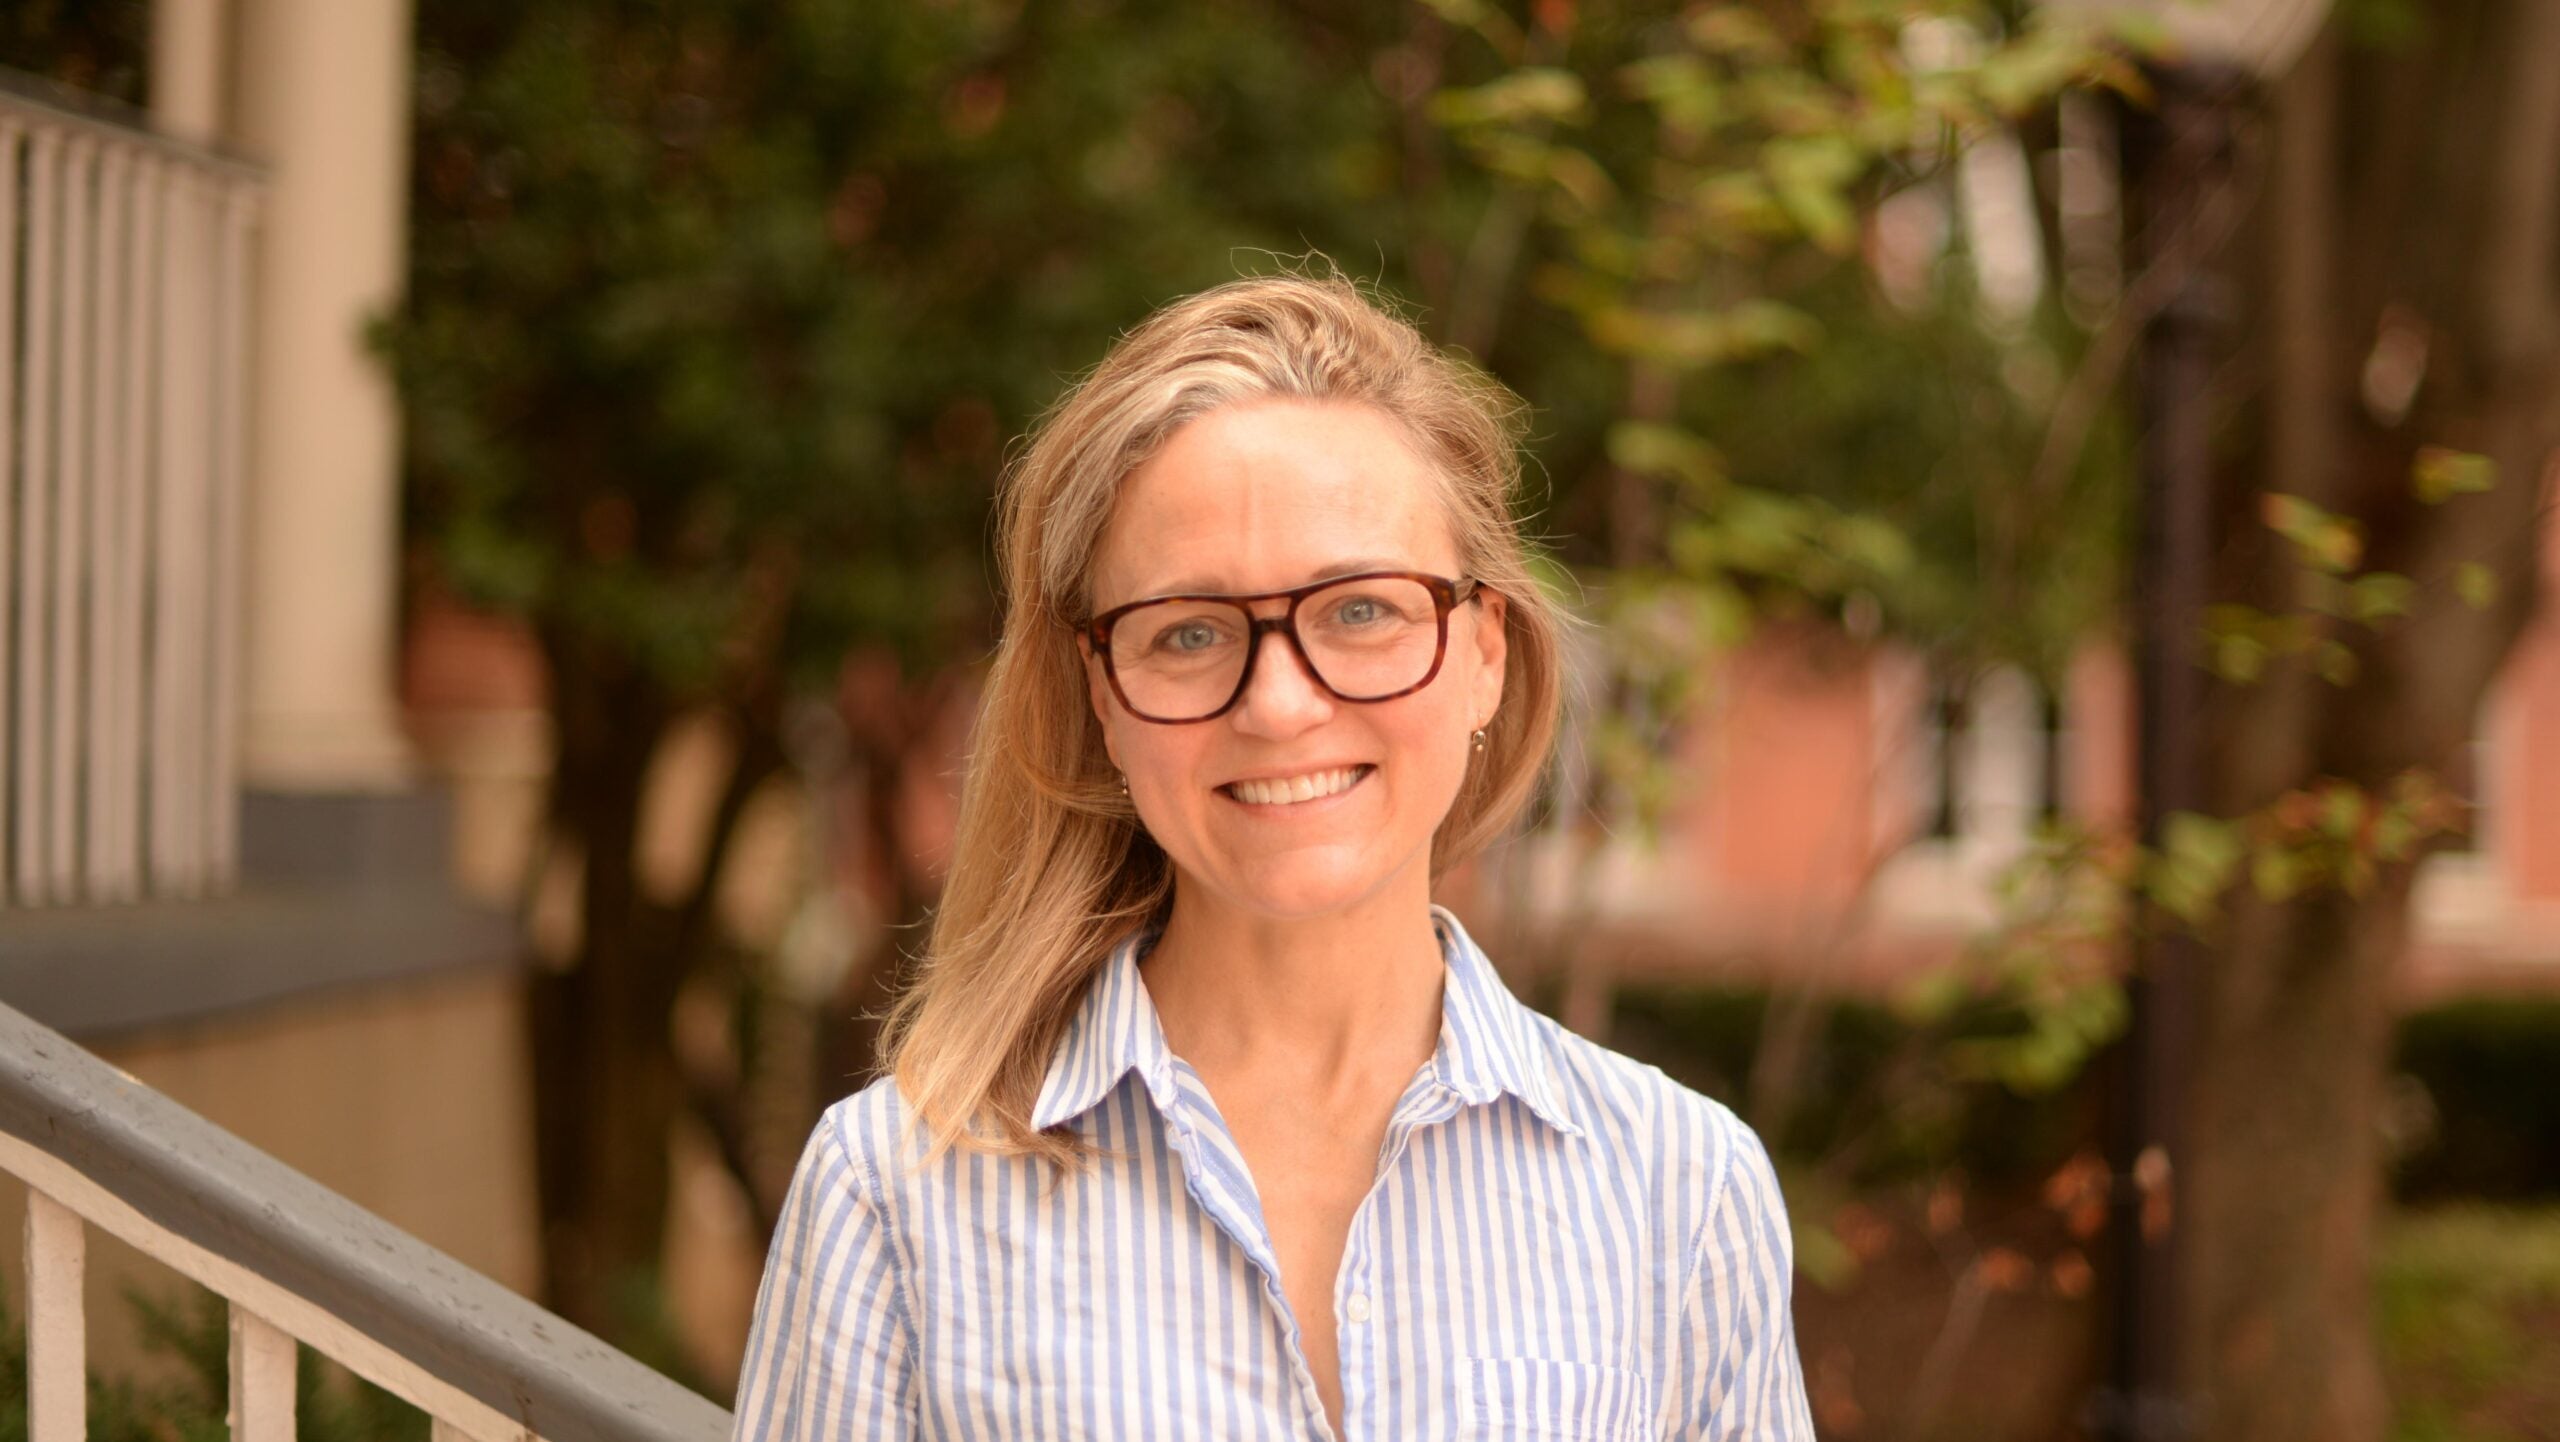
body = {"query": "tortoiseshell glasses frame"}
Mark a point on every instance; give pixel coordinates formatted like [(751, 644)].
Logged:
[(1446, 595)]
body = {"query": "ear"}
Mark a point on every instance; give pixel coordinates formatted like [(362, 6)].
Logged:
[(1493, 651), (1097, 692)]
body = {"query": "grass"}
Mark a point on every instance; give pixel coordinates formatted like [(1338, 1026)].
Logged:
[(2468, 1299)]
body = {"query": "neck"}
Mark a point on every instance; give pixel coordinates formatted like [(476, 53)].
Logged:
[(1345, 999)]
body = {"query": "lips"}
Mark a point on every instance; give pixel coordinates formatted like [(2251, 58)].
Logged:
[(1291, 790)]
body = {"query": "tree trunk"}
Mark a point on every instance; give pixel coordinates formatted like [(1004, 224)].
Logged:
[(606, 1089), (2438, 168)]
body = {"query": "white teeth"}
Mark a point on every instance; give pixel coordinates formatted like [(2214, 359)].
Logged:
[(1310, 787)]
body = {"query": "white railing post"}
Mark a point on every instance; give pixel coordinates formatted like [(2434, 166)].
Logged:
[(40, 320), (125, 371), (110, 524), (261, 1380), (71, 512), (229, 593), (11, 143), (57, 1327)]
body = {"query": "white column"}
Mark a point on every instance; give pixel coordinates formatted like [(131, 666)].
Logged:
[(186, 68), (321, 96)]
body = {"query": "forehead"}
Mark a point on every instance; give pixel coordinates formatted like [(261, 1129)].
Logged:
[(1268, 495)]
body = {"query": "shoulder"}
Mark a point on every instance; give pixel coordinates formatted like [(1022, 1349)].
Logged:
[(1700, 1157), (865, 1139)]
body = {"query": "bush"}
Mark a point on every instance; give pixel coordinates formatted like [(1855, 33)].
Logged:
[(1873, 1091), (2482, 1076), (2476, 1113)]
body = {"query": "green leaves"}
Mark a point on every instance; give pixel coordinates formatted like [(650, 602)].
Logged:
[(700, 288), (1651, 449), (2324, 541), (1690, 338), (1683, 89), (1810, 176), (2477, 584), (2442, 473), (2047, 59), (1738, 33), (2198, 856), (1537, 93), (2379, 596), (2241, 640), (2334, 832)]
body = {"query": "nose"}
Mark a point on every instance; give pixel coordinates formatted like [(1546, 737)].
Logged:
[(1283, 696)]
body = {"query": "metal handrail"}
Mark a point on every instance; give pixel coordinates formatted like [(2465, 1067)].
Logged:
[(486, 1363)]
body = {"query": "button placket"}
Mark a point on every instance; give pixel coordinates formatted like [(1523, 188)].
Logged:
[(1356, 1342), (1240, 1217)]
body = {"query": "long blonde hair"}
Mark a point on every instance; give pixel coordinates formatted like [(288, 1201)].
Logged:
[(1050, 868)]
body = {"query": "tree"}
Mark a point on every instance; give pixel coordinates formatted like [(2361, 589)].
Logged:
[(2408, 270), (2370, 580), (721, 313), (1750, 430)]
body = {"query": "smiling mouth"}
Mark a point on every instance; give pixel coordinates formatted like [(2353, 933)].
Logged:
[(1290, 790)]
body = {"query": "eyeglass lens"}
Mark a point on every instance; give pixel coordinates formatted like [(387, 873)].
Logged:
[(1367, 638)]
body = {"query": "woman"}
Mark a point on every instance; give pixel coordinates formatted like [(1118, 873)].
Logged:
[(1202, 1121)]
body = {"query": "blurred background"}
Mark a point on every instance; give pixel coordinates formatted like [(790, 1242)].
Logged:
[(494, 576)]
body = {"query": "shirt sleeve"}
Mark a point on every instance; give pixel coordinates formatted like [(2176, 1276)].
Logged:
[(827, 1355), (1741, 1379)]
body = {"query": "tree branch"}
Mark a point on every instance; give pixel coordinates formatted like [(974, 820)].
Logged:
[(2512, 286)]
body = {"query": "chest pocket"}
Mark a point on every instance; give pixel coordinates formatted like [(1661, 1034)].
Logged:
[(1526, 1397)]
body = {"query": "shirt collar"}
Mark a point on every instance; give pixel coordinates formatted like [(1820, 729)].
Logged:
[(1115, 1031), (1489, 1042)]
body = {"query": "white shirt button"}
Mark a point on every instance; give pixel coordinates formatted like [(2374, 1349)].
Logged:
[(1357, 1309)]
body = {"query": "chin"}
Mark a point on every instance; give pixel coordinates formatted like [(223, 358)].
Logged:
[(1298, 889)]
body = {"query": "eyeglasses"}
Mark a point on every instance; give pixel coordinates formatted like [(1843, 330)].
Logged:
[(1369, 637)]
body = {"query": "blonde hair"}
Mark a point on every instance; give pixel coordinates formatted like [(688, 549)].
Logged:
[(1050, 868)]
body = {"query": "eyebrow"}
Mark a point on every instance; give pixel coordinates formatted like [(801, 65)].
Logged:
[(1200, 586)]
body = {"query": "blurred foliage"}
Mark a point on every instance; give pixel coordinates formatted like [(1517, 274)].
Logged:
[(193, 1331), (1894, 1097), (2334, 599), (1701, 179), (1760, 430), (1887, 1100), (98, 46), (722, 313), (1925, 425)]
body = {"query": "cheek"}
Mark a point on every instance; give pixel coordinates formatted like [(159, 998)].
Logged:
[(1435, 738), (1161, 762)]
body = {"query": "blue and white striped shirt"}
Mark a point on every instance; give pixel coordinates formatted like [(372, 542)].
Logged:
[(1560, 1242)]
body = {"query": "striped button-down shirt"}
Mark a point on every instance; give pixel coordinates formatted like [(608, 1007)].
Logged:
[(1560, 1242)]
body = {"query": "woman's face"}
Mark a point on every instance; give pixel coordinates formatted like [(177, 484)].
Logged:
[(1268, 496)]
